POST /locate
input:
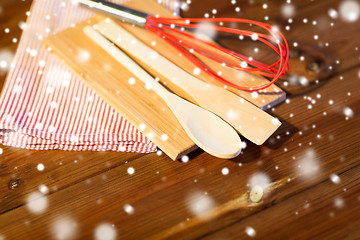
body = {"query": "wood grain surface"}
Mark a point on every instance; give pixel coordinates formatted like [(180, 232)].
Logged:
[(308, 171)]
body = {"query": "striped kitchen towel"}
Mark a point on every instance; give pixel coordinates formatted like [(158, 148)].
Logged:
[(44, 106)]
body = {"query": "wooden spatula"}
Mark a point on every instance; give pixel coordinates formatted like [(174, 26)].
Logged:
[(207, 130), (250, 121)]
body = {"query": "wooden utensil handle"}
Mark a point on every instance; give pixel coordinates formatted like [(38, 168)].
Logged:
[(125, 60), (134, 47)]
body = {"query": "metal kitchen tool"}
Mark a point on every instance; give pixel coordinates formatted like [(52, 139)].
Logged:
[(173, 30)]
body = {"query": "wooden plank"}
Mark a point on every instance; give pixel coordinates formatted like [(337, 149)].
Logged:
[(159, 189), (19, 175), (166, 195), (333, 205)]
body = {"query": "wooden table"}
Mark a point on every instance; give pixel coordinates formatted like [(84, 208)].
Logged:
[(309, 170)]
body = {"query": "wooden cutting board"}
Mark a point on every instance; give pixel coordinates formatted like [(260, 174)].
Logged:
[(140, 106)]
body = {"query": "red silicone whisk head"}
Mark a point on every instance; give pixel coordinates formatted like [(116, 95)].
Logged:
[(173, 31)]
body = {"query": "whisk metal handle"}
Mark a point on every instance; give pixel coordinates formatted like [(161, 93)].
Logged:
[(123, 13)]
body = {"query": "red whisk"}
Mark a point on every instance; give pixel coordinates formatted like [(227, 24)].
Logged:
[(179, 33)]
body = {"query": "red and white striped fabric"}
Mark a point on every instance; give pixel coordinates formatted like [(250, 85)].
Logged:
[(44, 106)]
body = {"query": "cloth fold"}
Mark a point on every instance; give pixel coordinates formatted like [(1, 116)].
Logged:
[(43, 105)]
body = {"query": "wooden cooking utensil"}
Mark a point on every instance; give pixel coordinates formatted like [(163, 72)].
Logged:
[(207, 130), (253, 123), (141, 107)]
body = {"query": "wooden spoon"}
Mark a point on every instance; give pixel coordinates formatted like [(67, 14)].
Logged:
[(207, 130), (250, 121)]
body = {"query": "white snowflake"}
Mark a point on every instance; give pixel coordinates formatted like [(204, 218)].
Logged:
[(129, 209), (250, 231), (43, 189), (308, 164), (40, 167), (254, 94), (131, 170), (164, 137), (339, 202), (41, 63), (225, 171), (288, 10), (6, 57), (348, 112), (63, 228), (349, 10), (132, 81), (83, 55), (259, 179), (335, 178), (105, 231), (196, 71), (36, 202), (199, 203), (184, 159)]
